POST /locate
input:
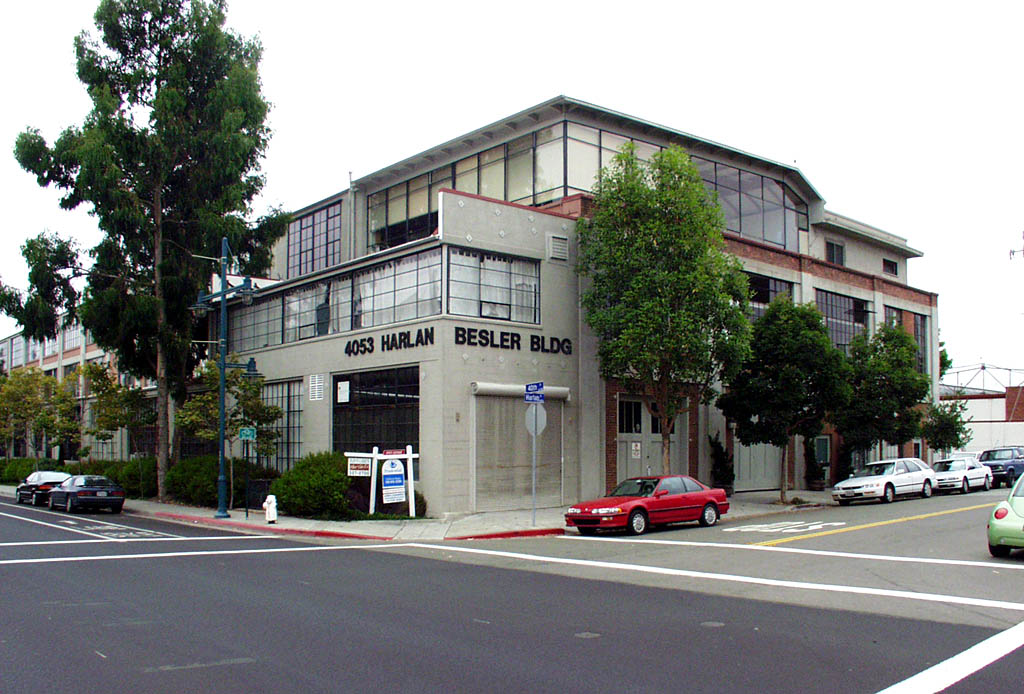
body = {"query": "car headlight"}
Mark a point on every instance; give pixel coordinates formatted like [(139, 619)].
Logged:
[(610, 509), (573, 510)]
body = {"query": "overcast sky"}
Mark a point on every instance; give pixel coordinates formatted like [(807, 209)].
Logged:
[(903, 115)]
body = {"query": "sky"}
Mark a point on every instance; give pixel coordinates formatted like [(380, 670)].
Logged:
[(904, 115)]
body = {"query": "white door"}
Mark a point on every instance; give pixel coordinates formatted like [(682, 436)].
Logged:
[(757, 467), (638, 444)]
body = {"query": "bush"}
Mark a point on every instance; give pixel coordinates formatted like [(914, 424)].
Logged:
[(194, 481), (314, 488)]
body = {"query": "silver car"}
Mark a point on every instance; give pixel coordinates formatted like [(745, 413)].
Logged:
[(885, 480), (963, 474)]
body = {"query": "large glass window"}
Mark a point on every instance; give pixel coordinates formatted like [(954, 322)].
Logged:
[(314, 241), (921, 338), (72, 336), (845, 316), (489, 285), (288, 396), (377, 408), (398, 290), (762, 290)]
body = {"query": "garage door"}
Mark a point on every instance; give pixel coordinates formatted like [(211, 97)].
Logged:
[(757, 467), (504, 456)]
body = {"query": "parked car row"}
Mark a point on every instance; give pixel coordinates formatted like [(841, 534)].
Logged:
[(887, 479), (60, 490)]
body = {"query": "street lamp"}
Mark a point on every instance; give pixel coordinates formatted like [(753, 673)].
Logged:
[(202, 305)]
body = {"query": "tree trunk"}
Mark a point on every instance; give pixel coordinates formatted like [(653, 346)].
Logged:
[(162, 389), (785, 474), (666, 443)]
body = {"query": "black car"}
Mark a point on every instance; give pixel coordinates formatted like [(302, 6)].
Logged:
[(87, 491), (36, 487), (1006, 463)]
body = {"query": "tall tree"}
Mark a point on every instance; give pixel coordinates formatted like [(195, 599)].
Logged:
[(887, 390), (168, 163), (665, 299), (793, 380), (945, 428), (38, 408)]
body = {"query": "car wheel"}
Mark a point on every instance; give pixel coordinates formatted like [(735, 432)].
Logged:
[(19, 498), (1010, 477), (965, 488), (1001, 551), (116, 509), (68, 506), (51, 504), (988, 483), (926, 490), (709, 516), (637, 522), (844, 502), (889, 494), (586, 532)]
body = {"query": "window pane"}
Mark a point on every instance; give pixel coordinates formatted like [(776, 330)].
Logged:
[(550, 166), (730, 202), (492, 180), (727, 177), (520, 175), (644, 150), (752, 221), (583, 165), (582, 132)]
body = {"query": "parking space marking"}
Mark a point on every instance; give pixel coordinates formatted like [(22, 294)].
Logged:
[(950, 671), (729, 578), (30, 543), (59, 527), (814, 552), (783, 527), (878, 524)]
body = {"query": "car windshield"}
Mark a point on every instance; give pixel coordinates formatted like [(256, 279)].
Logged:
[(947, 465), (635, 487), (872, 469), (97, 481), (1001, 454)]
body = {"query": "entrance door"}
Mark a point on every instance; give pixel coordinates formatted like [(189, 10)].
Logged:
[(639, 441)]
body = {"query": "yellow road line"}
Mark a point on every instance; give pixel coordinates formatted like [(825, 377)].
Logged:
[(869, 525)]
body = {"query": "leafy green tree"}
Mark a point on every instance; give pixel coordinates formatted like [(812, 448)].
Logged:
[(38, 408), (665, 299), (114, 406), (887, 390), (945, 428), (200, 414), (168, 163), (793, 380)]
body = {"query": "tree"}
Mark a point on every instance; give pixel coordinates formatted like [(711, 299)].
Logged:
[(114, 406), (168, 162), (945, 428), (887, 390), (666, 301), (200, 414), (793, 380), (39, 408)]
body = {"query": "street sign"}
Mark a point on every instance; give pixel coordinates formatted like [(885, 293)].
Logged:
[(359, 467), (535, 397), (247, 434), (392, 482)]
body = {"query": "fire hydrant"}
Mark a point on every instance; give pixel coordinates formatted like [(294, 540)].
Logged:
[(270, 507)]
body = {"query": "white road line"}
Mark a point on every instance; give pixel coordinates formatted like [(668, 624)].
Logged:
[(947, 673), (95, 521), (171, 555), (60, 527), (141, 539), (732, 578), (815, 552)]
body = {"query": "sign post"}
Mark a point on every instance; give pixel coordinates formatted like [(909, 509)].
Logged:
[(536, 420), (393, 475), (246, 434)]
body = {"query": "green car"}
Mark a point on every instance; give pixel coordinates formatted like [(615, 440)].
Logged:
[(1006, 526)]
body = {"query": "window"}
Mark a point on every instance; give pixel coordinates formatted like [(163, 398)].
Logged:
[(72, 336), (762, 290), (835, 253), (921, 338), (314, 241), (845, 316), (49, 347), (288, 396), (691, 486), (488, 285), (893, 316), (672, 485), (17, 351), (630, 412), (379, 408), (890, 267)]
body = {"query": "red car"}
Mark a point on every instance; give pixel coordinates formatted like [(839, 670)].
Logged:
[(640, 502)]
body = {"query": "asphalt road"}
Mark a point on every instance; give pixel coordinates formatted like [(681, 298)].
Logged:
[(854, 599)]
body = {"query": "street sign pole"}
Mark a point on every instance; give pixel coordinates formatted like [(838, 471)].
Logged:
[(533, 470), (534, 395)]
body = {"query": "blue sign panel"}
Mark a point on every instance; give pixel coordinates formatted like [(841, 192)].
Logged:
[(535, 387), (535, 397)]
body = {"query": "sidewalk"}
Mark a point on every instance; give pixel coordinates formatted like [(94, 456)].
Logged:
[(468, 526)]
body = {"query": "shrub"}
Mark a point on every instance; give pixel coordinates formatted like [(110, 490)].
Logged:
[(17, 469), (314, 488), (194, 481)]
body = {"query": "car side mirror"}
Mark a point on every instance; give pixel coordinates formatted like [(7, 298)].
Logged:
[(660, 493)]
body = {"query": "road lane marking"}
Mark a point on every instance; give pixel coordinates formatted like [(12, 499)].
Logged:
[(813, 552), (196, 553), (30, 543), (873, 525), (92, 521), (60, 527), (950, 671), (731, 578), (193, 666)]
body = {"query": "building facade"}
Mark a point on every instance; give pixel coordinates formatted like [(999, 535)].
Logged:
[(413, 307)]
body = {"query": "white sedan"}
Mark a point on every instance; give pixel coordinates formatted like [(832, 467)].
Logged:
[(961, 474), (885, 480)]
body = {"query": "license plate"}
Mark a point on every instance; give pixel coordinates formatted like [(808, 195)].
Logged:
[(101, 493), (847, 494)]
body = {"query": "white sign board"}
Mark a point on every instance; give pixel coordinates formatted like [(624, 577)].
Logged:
[(392, 482), (536, 418), (359, 467), (634, 449)]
